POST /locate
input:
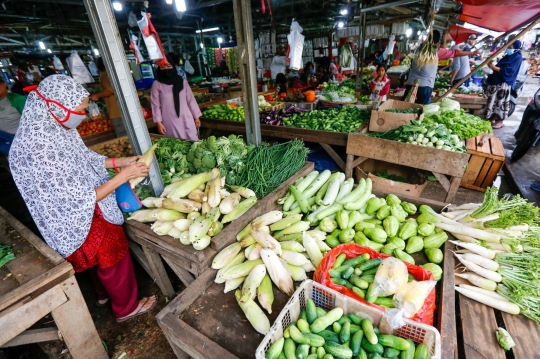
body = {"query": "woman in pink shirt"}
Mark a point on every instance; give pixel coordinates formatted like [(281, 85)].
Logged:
[(380, 85)]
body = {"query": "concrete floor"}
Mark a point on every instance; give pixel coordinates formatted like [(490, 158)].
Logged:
[(524, 172)]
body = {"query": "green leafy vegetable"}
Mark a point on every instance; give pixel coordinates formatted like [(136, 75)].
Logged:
[(392, 177), (461, 123)]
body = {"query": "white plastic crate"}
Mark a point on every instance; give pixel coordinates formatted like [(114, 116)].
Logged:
[(327, 298), (238, 100)]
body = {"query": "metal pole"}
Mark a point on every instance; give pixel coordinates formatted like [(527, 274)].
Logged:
[(111, 49), (359, 63), (387, 5), (522, 32), (248, 72)]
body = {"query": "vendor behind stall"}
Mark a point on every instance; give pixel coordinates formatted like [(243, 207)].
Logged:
[(107, 94), (460, 67), (11, 108), (427, 72)]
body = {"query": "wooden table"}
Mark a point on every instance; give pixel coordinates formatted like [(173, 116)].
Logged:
[(188, 263), (440, 162), (326, 139), (36, 283), (204, 323)]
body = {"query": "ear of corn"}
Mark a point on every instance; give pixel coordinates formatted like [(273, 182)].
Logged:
[(214, 195), (215, 229), (241, 270), (247, 230), (143, 215), (297, 273), (184, 238), (285, 222), (255, 252), (411, 296), (182, 224), (187, 185), (175, 233), (233, 284), (294, 258), (182, 205), (239, 210), (146, 159), (252, 281), (227, 205), (247, 241), (197, 195), (202, 243), (298, 227), (161, 228), (158, 203), (193, 216), (312, 249), (266, 240), (205, 209), (238, 259), (279, 275), (265, 294), (225, 255), (267, 219), (149, 202), (292, 246), (199, 230), (244, 192), (169, 189), (254, 314)]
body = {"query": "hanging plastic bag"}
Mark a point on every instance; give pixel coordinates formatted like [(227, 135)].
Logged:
[(296, 46), (93, 111), (57, 64), (188, 68), (93, 68), (390, 47), (78, 71), (132, 19), (29, 78), (135, 49), (152, 40)]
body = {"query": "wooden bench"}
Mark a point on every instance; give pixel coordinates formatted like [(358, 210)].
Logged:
[(36, 283)]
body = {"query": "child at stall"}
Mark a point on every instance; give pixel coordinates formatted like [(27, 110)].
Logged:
[(380, 85)]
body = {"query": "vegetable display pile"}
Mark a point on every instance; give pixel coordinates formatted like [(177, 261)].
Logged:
[(461, 123), (225, 112), (276, 117), (409, 110), (190, 209), (343, 93), (6, 255), (427, 54), (346, 119), (319, 333), (266, 166), (392, 176), (442, 81), (364, 99), (424, 134)]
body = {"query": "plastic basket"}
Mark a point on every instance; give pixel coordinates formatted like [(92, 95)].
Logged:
[(328, 299), (238, 101)]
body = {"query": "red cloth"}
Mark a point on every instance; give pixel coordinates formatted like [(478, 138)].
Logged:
[(460, 34), (499, 15), (118, 283), (105, 245)]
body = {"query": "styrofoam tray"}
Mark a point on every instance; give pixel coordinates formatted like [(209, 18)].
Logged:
[(327, 298)]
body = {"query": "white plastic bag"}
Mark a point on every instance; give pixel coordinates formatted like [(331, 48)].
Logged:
[(188, 68), (57, 64), (132, 19), (152, 47), (93, 111), (135, 49), (296, 46), (93, 68), (408, 301), (390, 47), (78, 71)]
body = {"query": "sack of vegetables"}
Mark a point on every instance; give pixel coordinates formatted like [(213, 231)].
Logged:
[(367, 260)]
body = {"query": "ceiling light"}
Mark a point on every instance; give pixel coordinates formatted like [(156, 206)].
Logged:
[(219, 40), (418, 33), (49, 51), (408, 33), (96, 52), (340, 25), (180, 5), (117, 5), (343, 12), (207, 30), (202, 45), (168, 2), (42, 45)]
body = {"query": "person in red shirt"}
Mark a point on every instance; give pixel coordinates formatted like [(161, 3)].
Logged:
[(380, 85)]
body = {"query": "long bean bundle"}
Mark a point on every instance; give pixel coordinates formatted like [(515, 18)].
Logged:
[(266, 167)]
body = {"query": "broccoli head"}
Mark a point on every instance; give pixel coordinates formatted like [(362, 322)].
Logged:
[(197, 163), (208, 160), (211, 144)]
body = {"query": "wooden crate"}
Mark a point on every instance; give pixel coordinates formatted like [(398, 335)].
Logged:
[(486, 161), (187, 262), (204, 323)]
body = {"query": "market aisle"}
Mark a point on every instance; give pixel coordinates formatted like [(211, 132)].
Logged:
[(527, 170)]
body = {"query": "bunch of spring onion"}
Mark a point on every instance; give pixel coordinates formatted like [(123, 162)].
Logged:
[(270, 249), (427, 54), (190, 209)]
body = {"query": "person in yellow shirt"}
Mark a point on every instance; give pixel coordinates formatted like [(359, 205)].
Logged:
[(107, 94)]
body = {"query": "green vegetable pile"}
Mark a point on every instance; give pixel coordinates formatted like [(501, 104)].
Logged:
[(225, 112), (409, 110), (364, 99), (6, 255), (266, 166), (342, 93), (461, 123), (392, 177), (346, 119)]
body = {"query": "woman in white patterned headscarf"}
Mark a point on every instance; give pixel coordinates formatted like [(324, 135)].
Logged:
[(69, 194)]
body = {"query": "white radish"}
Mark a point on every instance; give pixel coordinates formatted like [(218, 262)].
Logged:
[(476, 248), (485, 291), (490, 217), (521, 227), (466, 206), (453, 214), (345, 189), (464, 238), (488, 300), (463, 215), (482, 261), (473, 267), (332, 192), (503, 247), (463, 251), (478, 281), (471, 232)]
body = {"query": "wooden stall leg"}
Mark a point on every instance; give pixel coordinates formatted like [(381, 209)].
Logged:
[(180, 354), (349, 166), (139, 256), (76, 324), (33, 336), (334, 155), (186, 277), (443, 180), (454, 186), (158, 271)]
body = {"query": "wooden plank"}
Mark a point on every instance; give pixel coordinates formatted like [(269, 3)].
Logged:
[(483, 172), (315, 136), (19, 304), (426, 158), (491, 176), (349, 166), (33, 336), (497, 147), (443, 180), (471, 144), (473, 187), (526, 335), (184, 275), (334, 155), (180, 354), (454, 186), (475, 166), (158, 272), (80, 335), (446, 317), (38, 284), (139, 256), (22, 318), (34, 240)]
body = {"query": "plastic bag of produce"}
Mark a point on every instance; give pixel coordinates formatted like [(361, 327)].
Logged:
[(78, 70), (352, 250), (409, 300), (151, 40), (432, 109), (93, 111), (449, 105)]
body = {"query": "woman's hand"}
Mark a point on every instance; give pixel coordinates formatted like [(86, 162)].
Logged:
[(139, 169), (197, 123), (94, 97), (126, 161), (161, 128)]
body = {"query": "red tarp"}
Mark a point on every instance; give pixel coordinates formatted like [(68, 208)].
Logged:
[(509, 15), (460, 34)]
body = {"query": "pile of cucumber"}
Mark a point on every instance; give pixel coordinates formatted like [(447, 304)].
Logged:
[(321, 334)]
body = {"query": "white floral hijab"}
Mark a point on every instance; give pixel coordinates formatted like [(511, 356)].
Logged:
[(54, 170)]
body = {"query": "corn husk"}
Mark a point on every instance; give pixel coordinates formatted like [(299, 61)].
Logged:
[(233, 284), (169, 189), (292, 246), (312, 249), (239, 210), (182, 205), (161, 228), (197, 195), (267, 219), (247, 241), (224, 193), (254, 314), (202, 243), (227, 205), (182, 224), (248, 249), (205, 209), (244, 192), (298, 274), (252, 281), (168, 215), (255, 252), (143, 215), (266, 240), (265, 294), (147, 160), (193, 216), (175, 233), (187, 185), (294, 258), (238, 259), (199, 230), (214, 196), (215, 229), (225, 255), (149, 202), (184, 238), (279, 274), (158, 203), (241, 270)]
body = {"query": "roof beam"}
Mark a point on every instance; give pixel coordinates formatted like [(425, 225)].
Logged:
[(11, 40)]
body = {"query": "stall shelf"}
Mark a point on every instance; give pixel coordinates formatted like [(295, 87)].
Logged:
[(39, 282), (186, 262), (204, 323)]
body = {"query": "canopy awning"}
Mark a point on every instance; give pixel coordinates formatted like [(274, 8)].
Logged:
[(460, 34), (499, 15)]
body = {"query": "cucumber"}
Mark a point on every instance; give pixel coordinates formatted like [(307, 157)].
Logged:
[(337, 328), (409, 353), (374, 356), (342, 268), (303, 326), (302, 351), (329, 336), (370, 278), (370, 297), (391, 353), (421, 352), (372, 263), (320, 312), (385, 302), (312, 356), (311, 312), (354, 328), (355, 319), (334, 273), (314, 339), (339, 281), (362, 354), (303, 315), (358, 282), (369, 333), (344, 319), (371, 348), (357, 260), (297, 336), (359, 291), (275, 349), (356, 341), (347, 274), (339, 260), (328, 356), (286, 333), (282, 356), (313, 350), (371, 271), (345, 332), (338, 351), (392, 341), (320, 353), (289, 348)]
